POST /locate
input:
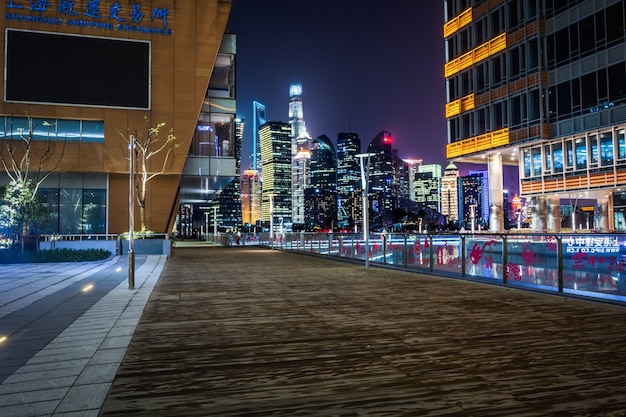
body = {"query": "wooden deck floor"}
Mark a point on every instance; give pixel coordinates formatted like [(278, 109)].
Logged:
[(255, 332)]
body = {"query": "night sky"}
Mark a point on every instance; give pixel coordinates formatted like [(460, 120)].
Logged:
[(364, 66)]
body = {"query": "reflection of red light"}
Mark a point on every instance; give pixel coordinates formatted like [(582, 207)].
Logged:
[(387, 139)]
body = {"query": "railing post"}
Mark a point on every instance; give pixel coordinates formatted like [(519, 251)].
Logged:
[(462, 256), (352, 247), (505, 260), (431, 254), (559, 256), (405, 252), (384, 249)]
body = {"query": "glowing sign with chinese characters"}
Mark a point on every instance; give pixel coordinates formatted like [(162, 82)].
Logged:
[(592, 244), (92, 14)]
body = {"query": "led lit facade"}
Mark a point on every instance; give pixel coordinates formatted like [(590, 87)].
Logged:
[(300, 153), (383, 200), (126, 75), (450, 193), (348, 180), (275, 139), (321, 195), (250, 197), (472, 194), (427, 186), (540, 85)]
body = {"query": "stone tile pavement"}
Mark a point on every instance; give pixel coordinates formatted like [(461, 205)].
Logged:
[(67, 327)]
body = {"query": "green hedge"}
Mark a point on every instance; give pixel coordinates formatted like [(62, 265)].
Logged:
[(15, 256)]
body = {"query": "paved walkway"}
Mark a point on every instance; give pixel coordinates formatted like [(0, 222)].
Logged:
[(67, 327), (257, 332)]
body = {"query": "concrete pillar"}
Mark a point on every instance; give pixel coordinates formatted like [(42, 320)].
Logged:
[(601, 215), (539, 209), (496, 198), (554, 214)]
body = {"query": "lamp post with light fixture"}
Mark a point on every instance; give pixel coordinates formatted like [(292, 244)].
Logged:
[(365, 183), (131, 215)]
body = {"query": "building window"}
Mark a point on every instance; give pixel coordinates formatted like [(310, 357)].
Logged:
[(593, 148), (557, 154), (606, 149), (548, 158), (581, 154), (536, 162), (570, 155), (526, 163), (621, 144), (52, 129)]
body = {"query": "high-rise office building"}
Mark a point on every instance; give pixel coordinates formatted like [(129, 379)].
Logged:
[(250, 197), (540, 85), (471, 195), (485, 203), (229, 200), (321, 195), (259, 118), (411, 168), (427, 186), (348, 180), (450, 193), (275, 139), (383, 200), (300, 153)]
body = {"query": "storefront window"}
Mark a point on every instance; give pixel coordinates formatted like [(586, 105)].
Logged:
[(94, 211)]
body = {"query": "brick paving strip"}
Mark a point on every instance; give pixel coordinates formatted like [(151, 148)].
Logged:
[(256, 332)]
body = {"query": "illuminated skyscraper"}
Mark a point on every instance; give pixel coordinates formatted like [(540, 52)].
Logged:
[(428, 186), (382, 173), (472, 196), (250, 197), (259, 118), (321, 195), (275, 139), (450, 193), (300, 153), (348, 180)]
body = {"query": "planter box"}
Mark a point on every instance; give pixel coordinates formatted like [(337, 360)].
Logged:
[(149, 247)]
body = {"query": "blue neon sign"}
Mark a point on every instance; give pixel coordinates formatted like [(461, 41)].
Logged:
[(94, 16)]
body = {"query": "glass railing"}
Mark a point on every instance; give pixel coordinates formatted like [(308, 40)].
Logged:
[(588, 265)]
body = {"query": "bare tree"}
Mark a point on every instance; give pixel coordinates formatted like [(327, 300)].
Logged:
[(25, 179), (146, 148)]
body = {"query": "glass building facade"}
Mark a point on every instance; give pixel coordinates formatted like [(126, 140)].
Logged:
[(275, 139), (321, 196), (540, 85), (348, 180)]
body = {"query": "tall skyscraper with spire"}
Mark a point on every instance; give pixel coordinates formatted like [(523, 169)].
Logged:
[(300, 154)]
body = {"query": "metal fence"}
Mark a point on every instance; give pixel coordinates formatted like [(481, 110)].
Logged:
[(589, 265)]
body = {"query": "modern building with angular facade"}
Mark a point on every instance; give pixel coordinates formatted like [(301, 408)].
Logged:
[(540, 85), (90, 74)]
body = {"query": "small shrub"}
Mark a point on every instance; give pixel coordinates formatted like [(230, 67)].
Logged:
[(15, 256)]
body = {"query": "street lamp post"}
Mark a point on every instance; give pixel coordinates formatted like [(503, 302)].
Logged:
[(365, 183), (131, 216), (206, 226), (272, 220)]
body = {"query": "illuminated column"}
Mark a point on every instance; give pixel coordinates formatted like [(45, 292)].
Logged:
[(554, 214), (601, 215), (496, 199), (539, 209)]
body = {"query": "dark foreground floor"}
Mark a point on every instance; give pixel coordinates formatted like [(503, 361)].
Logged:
[(254, 332)]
